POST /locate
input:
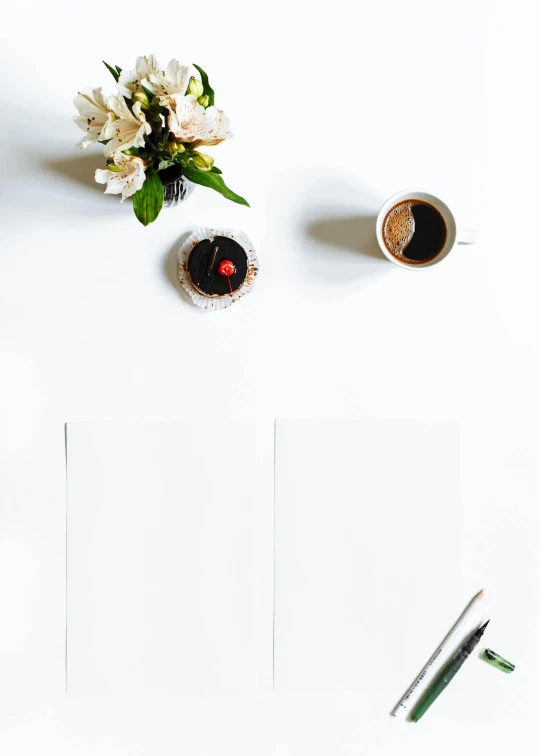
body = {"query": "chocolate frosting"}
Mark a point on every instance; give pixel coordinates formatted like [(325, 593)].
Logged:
[(203, 266)]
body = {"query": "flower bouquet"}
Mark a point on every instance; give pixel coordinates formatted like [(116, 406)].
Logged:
[(154, 124)]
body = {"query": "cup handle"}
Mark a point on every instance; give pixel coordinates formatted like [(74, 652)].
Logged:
[(467, 236)]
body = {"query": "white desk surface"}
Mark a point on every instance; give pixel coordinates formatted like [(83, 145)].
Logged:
[(334, 107)]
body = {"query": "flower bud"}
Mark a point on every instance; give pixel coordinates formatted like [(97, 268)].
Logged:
[(204, 101), (202, 162), (111, 165), (195, 87), (174, 147), (142, 98)]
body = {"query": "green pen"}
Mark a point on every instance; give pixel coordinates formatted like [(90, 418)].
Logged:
[(446, 675)]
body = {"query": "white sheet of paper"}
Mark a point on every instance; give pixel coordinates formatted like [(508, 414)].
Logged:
[(367, 551), (161, 558)]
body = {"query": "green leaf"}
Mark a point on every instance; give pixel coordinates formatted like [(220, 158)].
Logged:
[(148, 93), (213, 181), (182, 158), (115, 73), (118, 69), (206, 85), (165, 164), (148, 201), (215, 169)]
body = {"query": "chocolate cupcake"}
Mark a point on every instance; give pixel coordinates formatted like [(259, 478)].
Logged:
[(217, 267)]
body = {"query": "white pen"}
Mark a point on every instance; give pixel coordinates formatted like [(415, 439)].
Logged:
[(417, 685)]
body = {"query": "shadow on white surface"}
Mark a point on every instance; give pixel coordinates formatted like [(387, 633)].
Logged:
[(59, 174), (50, 183), (337, 224), (354, 234), (79, 169), (76, 177), (170, 270)]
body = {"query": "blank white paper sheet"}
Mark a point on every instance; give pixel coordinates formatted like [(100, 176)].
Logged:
[(161, 550), (367, 569)]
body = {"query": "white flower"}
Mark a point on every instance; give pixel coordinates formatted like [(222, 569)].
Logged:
[(217, 126), (187, 120), (173, 81), (127, 180), (128, 129), (190, 122), (132, 81), (94, 116)]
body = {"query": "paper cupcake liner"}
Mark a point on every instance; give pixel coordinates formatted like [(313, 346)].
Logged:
[(216, 303)]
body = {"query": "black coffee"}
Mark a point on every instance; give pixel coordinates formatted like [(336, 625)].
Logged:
[(414, 231)]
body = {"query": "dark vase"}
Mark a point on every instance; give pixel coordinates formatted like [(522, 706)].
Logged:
[(176, 188)]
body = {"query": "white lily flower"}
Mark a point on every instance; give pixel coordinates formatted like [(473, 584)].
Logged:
[(173, 81), (127, 180), (218, 127), (132, 81), (94, 116), (190, 122), (128, 129), (186, 119)]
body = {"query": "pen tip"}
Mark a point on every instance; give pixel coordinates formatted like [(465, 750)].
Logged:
[(484, 626)]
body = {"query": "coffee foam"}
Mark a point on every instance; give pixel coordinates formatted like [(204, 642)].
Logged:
[(398, 228)]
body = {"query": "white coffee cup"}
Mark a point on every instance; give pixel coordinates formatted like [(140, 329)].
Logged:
[(453, 236)]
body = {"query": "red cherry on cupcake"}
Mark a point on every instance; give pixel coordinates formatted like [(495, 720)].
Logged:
[(226, 268)]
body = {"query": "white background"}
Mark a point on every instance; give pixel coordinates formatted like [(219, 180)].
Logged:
[(353, 545), (161, 558), (334, 107)]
